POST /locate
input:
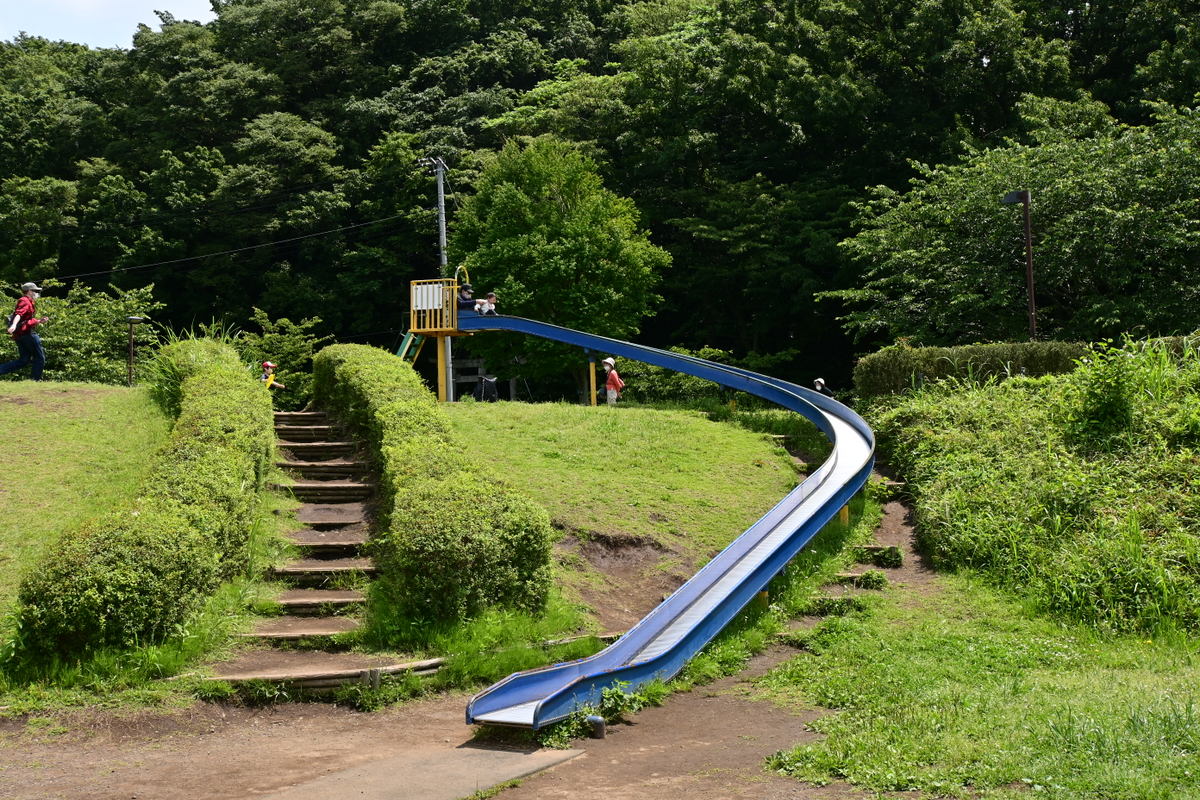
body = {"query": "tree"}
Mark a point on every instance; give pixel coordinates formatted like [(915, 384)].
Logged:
[(555, 245), (1116, 240)]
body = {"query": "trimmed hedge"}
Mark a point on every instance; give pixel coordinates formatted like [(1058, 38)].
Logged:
[(132, 576), (900, 367), (453, 541)]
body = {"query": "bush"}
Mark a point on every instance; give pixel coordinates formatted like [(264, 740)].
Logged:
[(650, 384), (459, 545), (453, 542), (181, 359), (134, 575), (901, 367)]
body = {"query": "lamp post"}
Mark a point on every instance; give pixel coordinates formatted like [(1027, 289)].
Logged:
[(1022, 196), (133, 321)]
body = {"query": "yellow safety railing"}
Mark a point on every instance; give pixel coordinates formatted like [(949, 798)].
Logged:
[(434, 306)]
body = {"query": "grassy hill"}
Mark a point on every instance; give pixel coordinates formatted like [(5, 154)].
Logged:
[(71, 451), (642, 496)]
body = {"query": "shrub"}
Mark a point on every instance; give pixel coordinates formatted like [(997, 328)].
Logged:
[(453, 542), (176, 362), (134, 575), (461, 544), (901, 367)]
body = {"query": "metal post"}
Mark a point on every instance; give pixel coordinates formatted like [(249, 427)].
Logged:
[(1029, 269), (441, 367), (132, 322), (1024, 197)]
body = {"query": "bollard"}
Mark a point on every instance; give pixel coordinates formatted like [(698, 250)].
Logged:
[(599, 727)]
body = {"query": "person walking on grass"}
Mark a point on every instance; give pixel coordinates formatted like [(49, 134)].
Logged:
[(613, 385), (20, 327)]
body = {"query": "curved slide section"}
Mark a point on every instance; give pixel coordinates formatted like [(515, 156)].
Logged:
[(669, 636)]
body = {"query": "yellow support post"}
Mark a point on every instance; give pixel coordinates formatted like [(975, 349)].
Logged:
[(592, 378), (441, 367), (844, 515)]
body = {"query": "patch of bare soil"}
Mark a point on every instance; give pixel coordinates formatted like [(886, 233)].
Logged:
[(707, 744), (630, 577), (211, 752)]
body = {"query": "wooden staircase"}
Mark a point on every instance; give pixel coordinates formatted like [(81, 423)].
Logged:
[(325, 581)]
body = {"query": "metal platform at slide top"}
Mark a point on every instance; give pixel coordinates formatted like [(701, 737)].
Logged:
[(669, 636)]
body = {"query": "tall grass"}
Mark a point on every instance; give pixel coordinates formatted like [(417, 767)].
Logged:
[(1077, 489)]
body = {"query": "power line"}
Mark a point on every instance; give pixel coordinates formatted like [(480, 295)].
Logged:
[(229, 252)]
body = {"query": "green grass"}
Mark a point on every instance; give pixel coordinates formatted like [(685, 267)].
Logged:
[(963, 693), (671, 476), (73, 450)]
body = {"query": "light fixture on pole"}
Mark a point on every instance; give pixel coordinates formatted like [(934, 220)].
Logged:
[(132, 322), (1022, 196)]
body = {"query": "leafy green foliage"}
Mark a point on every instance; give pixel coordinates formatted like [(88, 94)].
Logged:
[(1115, 223), (901, 366), (87, 338), (460, 545), (136, 574), (554, 244), (1073, 489), (289, 344)]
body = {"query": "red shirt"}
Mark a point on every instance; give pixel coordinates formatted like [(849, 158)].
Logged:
[(27, 310), (614, 381)]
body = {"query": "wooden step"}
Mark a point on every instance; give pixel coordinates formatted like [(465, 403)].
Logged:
[(301, 418), (291, 627), (320, 602), (317, 451), (332, 469), (328, 491), (343, 540), (312, 669), (320, 571), (307, 433), (326, 515)]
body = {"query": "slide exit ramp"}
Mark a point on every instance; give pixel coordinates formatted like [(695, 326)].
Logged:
[(669, 636)]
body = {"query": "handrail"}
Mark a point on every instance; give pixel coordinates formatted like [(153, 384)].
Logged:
[(433, 306)]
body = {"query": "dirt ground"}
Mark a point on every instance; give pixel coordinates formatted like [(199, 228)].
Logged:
[(708, 744)]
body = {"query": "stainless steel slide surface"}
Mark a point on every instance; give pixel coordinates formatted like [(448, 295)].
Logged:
[(670, 635)]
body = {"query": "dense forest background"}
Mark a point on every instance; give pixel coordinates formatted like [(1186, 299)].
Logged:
[(824, 175)]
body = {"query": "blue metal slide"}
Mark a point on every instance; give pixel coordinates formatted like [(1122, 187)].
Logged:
[(662, 643)]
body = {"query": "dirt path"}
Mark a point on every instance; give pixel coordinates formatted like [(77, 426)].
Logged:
[(706, 744)]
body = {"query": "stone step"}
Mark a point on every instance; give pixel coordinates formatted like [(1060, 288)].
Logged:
[(328, 491), (321, 571), (301, 418), (332, 469), (317, 451), (307, 433), (291, 627), (320, 602), (341, 541), (327, 515)]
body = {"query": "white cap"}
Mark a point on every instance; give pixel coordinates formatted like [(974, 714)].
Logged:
[(820, 381), (609, 361)]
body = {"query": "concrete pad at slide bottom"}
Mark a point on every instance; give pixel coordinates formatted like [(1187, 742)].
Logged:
[(427, 774)]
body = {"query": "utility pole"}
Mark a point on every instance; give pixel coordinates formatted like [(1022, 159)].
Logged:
[(439, 169)]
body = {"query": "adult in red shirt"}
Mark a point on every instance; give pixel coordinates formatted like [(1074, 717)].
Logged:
[(29, 344), (613, 383)]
